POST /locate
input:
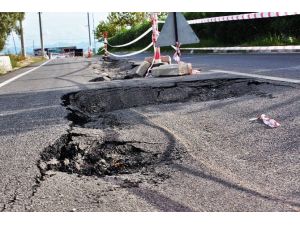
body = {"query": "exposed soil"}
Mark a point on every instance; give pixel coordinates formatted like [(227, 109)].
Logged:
[(91, 156)]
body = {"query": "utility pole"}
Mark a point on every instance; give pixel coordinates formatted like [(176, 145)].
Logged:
[(23, 52), (90, 42), (12, 34), (41, 35), (94, 32)]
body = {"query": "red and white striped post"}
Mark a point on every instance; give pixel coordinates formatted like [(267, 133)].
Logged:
[(155, 33), (105, 35)]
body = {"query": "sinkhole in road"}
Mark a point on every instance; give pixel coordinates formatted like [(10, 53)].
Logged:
[(90, 155)]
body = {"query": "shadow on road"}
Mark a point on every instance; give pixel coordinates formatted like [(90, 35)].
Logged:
[(29, 111), (231, 185)]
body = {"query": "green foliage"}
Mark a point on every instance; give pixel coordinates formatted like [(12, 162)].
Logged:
[(123, 19), (244, 31), (8, 23), (118, 22), (268, 31), (273, 40), (126, 36), (104, 27)]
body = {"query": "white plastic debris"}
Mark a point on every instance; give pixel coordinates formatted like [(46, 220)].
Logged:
[(266, 120)]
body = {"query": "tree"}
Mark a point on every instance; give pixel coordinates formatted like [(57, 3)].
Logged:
[(105, 27), (21, 17), (8, 23), (117, 21), (123, 19)]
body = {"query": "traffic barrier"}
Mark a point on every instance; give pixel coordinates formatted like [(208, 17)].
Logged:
[(105, 35), (131, 54), (131, 42), (155, 33), (247, 16)]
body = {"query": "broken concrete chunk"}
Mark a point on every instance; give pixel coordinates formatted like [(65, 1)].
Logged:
[(164, 59), (172, 70), (142, 69)]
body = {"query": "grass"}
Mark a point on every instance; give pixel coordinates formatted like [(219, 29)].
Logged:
[(18, 61), (273, 40)]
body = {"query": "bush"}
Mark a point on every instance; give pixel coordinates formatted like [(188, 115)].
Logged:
[(268, 31), (15, 59)]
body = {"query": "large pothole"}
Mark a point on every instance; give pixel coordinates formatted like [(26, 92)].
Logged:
[(75, 153), (86, 154)]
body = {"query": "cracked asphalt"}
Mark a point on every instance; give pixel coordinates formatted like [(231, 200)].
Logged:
[(217, 159)]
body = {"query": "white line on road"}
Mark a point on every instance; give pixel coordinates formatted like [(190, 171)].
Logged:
[(258, 76), (14, 112), (22, 74)]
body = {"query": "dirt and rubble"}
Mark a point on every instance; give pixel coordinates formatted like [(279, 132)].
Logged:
[(120, 69), (114, 69)]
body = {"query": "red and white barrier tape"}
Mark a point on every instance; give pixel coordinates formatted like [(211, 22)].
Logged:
[(155, 34), (131, 54), (252, 48), (135, 40), (247, 16)]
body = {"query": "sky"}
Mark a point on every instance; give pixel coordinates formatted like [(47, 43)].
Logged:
[(58, 29)]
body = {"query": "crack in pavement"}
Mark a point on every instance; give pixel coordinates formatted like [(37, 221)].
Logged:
[(8, 204), (117, 157)]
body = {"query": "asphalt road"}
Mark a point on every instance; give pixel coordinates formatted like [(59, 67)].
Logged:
[(237, 167), (277, 65)]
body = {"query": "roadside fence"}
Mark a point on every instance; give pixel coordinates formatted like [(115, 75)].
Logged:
[(155, 33)]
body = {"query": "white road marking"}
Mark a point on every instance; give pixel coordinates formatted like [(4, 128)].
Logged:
[(22, 74), (258, 76), (8, 113), (281, 68)]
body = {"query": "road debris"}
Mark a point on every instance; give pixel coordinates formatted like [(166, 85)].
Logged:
[(99, 158), (124, 69), (266, 120), (164, 59), (143, 68), (172, 70)]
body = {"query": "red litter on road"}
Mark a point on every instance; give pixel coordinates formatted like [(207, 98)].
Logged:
[(267, 120)]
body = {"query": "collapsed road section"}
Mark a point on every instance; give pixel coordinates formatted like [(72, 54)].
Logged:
[(91, 103), (186, 139), (105, 152)]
